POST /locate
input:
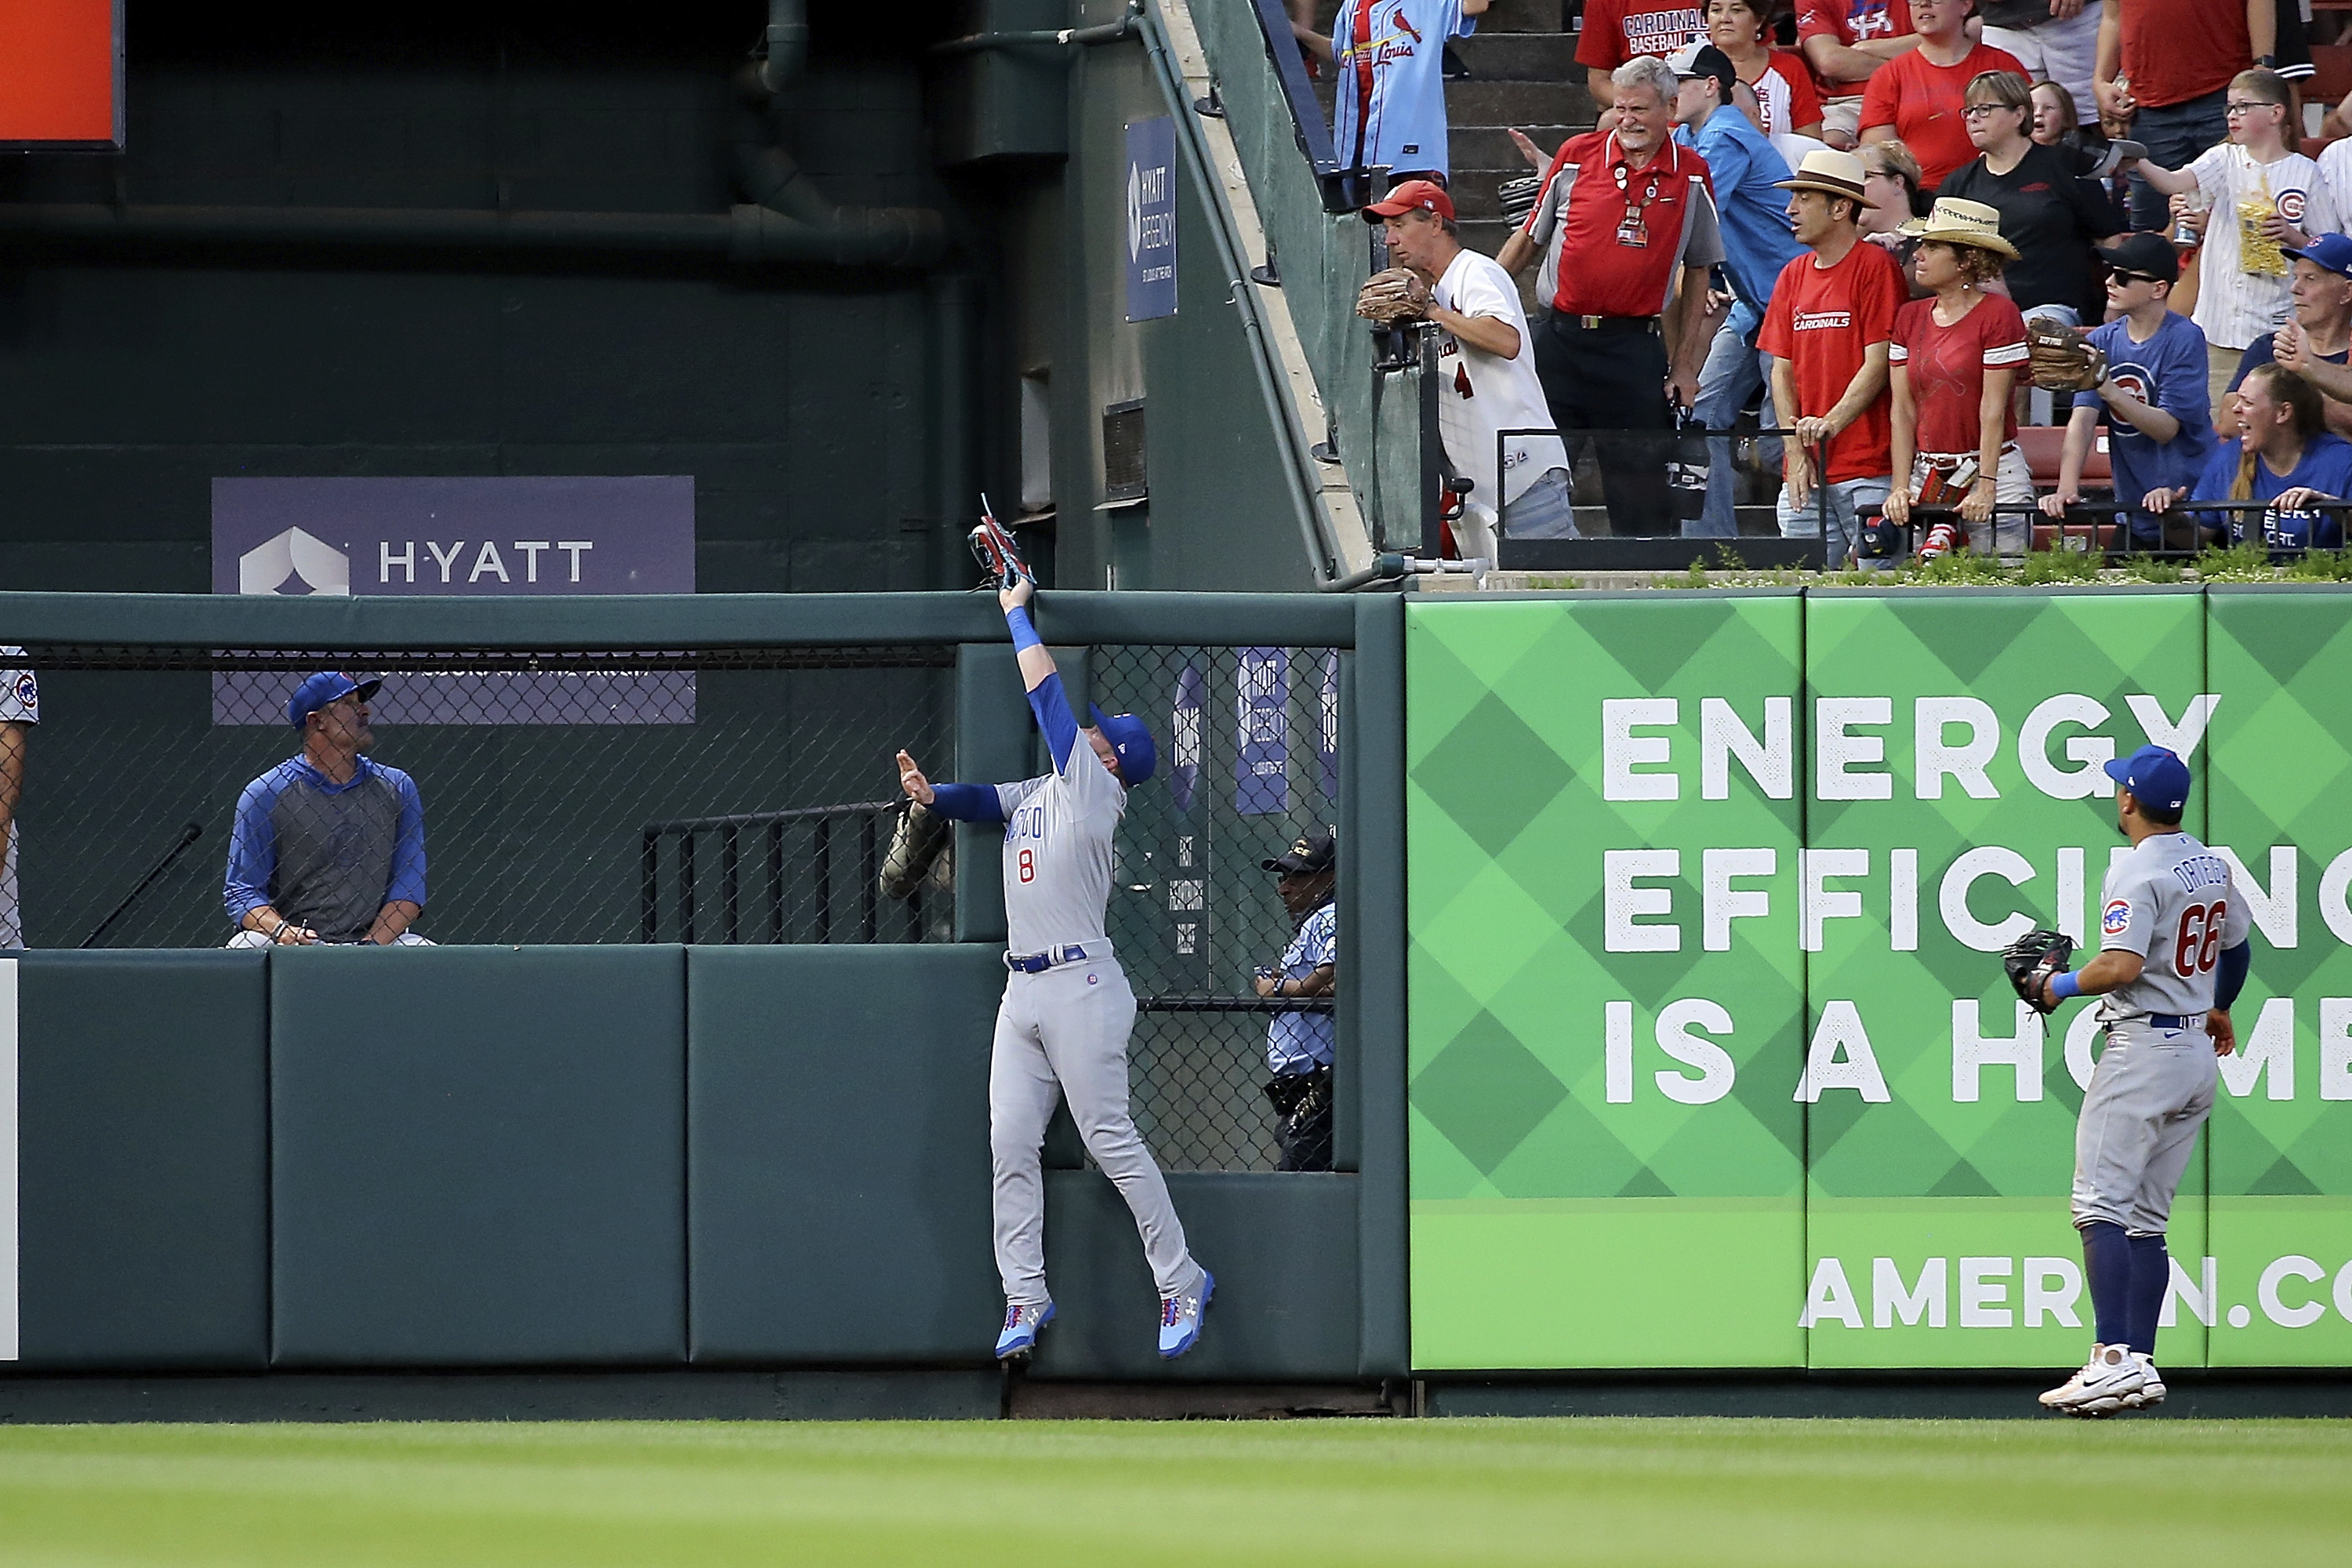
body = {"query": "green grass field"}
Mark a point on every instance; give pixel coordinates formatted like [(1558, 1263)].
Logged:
[(1696, 1491)]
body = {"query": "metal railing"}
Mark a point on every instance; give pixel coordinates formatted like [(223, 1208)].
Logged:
[(779, 910)]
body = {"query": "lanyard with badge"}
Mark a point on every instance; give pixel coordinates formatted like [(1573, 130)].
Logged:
[(1633, 231)]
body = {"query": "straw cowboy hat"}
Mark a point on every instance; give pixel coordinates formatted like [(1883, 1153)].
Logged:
[(1955, 222), (1828, 171)]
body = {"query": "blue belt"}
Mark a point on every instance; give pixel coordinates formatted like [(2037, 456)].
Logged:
[(1038, 963), (2167, 1021)]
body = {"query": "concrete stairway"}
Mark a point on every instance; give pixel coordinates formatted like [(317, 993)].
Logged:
[(1523, 73)]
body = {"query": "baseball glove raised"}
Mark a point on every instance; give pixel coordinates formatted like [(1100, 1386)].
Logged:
[(2063, 358), (999, 557), (2032, 959), (1391, 297)]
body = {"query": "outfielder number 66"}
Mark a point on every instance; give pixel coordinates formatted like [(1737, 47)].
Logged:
[(2198, 945)]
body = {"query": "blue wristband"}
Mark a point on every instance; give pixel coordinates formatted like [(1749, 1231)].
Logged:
[(1023, 633), (2063, 985)]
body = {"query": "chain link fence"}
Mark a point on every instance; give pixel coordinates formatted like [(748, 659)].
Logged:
[(736, 796)]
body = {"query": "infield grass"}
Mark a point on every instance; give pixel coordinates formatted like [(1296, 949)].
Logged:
[(1113, 1494)]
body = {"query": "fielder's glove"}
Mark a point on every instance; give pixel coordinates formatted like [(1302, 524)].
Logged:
[(1519, 197), (2063, 358), (2031, 959), (1392, 297)]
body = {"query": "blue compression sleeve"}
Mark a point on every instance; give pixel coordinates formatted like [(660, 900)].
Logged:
[(967, 802), (252, 850), (2064, 985), (2235, 961), (1052, 706), (1023, 633)]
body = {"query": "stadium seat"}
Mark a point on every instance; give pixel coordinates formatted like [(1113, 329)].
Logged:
[(2044, 445)]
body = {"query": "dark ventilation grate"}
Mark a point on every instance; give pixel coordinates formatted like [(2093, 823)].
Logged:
[(1123, 467)]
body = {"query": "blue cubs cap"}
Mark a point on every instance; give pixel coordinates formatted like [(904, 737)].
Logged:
[(1138, 757), (328, 685), (2330, 253), (2155, 776)]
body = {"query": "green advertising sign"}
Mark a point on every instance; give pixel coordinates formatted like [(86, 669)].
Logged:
[(1713, 1062)]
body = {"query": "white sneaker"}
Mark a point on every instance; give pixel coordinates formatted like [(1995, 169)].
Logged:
[(2111, 1376), (2151, 1387)]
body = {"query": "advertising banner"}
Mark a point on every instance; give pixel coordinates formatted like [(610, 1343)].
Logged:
[(1150, 220), (1713, 1061), (1606, 992), (528, 535)]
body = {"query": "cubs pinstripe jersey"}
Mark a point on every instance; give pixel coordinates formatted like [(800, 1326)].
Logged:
[(2235, 307), (2169, 899)]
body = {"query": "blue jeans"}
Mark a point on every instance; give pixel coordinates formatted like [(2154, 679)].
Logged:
[(2174, 135), (1733, 372), (1844, 499)]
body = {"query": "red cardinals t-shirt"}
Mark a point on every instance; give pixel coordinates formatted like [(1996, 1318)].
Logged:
[(1616, 31), (1946, 366), (2174, 50), (1921, 101), (1823, 319), (1850, 22)]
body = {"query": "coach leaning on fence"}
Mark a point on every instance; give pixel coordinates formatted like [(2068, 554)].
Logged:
[(1624, 216), (329, 845)]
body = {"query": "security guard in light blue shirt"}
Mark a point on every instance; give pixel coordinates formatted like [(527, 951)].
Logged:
[(1299, 1045)]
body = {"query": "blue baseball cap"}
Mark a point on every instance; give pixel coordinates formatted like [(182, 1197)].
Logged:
[(2329, 252), (328, 685), (2155, 776), (1138, 757)]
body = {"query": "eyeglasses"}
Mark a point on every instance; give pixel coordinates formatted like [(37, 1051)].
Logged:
[(1978, 110), (2248, 107), (1881, 174)]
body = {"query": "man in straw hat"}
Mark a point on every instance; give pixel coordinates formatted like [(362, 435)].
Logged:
[(1952, 365), (1827, 329)]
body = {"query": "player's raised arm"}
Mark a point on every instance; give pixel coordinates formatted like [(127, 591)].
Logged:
[(1043, 682), (956, 802)]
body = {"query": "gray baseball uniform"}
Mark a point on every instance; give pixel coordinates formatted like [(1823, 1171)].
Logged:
[(2170, 900), (1064, 1028)]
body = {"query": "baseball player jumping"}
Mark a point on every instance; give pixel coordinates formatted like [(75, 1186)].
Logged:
[(1067, 1008), (2173, 955)]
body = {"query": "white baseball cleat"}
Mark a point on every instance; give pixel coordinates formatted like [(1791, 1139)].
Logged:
[(2151, 1387), (1180, 1317), (2112, 1375)]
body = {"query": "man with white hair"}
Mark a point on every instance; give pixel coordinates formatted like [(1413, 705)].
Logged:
[(1625, 229)]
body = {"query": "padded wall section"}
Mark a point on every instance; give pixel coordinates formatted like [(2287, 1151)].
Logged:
[(479, 1156), (838, 1152), (143, 1160), (1283, 1248)]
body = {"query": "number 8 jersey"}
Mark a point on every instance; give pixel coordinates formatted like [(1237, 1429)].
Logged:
[(2169, 899), (1057, 853)]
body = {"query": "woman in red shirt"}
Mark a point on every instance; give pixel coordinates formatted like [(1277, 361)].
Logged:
[(1783, 86), (1952, 362)]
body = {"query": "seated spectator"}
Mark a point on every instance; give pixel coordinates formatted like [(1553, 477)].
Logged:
[(2315, 342), (1486, 381), (1298, 1045), (1918, 98), (1846, 42), (2287, 457), (1952, 364), (328, 846), (2053, 218), (1785, 102), (2266, 202), (2153, 395)]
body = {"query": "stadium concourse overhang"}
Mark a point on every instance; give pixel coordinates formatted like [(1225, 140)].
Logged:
[(1675, 1070)]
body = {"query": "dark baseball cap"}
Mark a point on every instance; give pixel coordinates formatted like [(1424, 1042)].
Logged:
[(2329, 253), (1413, 196), (1694, 60), (328, 685), (1310, 852), (2150, 255), (2154, 775)]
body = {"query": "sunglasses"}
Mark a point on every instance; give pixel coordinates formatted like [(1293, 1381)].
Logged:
[(2122, 275)]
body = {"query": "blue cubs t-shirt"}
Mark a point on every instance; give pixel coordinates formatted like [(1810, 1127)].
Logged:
[(1392, 96), (2325, 467), (2166, 371)]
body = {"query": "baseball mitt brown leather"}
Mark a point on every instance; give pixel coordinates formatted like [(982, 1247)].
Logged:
[(1394, 296), (2063, 358)]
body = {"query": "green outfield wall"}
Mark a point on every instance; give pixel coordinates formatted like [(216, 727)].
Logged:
[(1711, 1059)]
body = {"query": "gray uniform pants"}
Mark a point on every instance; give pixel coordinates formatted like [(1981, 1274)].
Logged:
[(2151, 1091), (1065, 1032)]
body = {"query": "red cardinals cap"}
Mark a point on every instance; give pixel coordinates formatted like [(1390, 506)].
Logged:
[(1413, 195)]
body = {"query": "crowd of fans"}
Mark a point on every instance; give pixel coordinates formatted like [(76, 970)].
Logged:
[(1849, 216)]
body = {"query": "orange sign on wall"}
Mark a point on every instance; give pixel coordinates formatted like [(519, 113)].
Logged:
[(61, 73)]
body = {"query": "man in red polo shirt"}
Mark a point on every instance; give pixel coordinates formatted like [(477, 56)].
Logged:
[(1917, 98), (1828, 329), (1624, 221), (2165, 66), (1616, 31)]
